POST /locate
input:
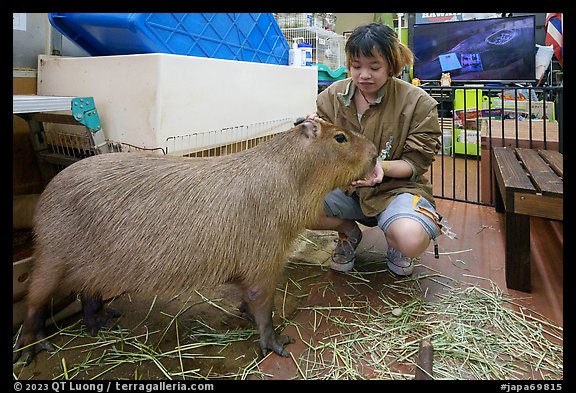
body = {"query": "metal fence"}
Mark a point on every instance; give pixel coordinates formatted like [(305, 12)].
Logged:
[(474, 119)]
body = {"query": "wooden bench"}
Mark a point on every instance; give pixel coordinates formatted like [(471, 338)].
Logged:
[(528, 183)]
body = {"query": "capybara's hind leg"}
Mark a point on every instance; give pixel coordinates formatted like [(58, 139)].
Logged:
[(95, 314), (260, 301), (32, 339)]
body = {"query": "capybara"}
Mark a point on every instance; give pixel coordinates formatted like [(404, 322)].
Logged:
[(143, 223)]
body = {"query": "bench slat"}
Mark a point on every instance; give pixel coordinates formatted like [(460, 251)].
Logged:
[(544, 178), (513, 175), (554, 159)]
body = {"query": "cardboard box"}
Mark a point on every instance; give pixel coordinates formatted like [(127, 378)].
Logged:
[(525, 108), (538, 110)]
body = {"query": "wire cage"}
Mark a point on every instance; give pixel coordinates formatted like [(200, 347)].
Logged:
[(326, 21), (317, 30), (226, 140), (66, 144)]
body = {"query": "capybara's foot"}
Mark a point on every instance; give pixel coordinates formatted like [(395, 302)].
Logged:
[(96, 315), (28, 346), (94, 321), (276, 343)]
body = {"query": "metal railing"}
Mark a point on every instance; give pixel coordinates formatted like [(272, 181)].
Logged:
[(474, 119)]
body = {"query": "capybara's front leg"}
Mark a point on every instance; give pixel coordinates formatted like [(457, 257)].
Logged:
[(32, 337), (260, 301), (95, 314)]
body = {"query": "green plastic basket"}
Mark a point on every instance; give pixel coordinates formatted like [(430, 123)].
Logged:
[(327, 74)]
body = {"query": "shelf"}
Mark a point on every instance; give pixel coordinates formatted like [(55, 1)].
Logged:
[(60, 148), (32, 104)]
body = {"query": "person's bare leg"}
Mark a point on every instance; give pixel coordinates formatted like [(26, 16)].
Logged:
[(408, 236)]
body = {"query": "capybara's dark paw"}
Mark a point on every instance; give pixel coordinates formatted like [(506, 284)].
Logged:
[(27, 349), (95, 321), (277, 345)]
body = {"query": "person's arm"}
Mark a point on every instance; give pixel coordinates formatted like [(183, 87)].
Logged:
[(423, 141), (389, 168), (397, 168)]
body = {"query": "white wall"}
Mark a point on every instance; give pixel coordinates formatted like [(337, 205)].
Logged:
[(28, 44)]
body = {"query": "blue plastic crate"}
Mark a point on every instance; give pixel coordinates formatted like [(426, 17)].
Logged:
[(233, 36)]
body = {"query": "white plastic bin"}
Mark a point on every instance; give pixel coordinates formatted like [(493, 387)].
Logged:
[(148, 100)]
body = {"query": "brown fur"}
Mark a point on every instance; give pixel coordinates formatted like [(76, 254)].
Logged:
[(159, 224)]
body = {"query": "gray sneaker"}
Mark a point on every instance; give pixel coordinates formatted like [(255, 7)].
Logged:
[(344, 254), (398, 263)]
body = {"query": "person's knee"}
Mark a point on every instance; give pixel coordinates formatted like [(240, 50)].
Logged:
[(408, 236)]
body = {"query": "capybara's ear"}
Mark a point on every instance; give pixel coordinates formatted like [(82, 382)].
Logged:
[(299, 120), (309, 128)]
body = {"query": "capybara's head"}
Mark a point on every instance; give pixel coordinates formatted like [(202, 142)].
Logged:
[(340, 156)]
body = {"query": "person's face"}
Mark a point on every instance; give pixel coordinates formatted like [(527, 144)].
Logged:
[(369, 73)]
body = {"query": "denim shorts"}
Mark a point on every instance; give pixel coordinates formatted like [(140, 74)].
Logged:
[(338, 204)]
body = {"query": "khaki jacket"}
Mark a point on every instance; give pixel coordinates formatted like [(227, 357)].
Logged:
[(403, 124)]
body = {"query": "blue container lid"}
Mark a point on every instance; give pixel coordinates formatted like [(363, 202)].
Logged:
[(233, 36)]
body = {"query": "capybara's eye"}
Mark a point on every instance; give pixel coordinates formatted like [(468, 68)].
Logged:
[(340, 138)]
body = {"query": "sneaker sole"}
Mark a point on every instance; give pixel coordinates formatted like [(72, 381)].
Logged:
[(399, 270), (342, 267)]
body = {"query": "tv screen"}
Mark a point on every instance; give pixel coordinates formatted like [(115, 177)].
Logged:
[(483, 50)]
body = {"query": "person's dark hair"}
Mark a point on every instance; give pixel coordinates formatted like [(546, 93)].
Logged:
[(378, 39)]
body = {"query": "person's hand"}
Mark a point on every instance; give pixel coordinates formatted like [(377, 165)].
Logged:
[(311, 116), (375, 177)]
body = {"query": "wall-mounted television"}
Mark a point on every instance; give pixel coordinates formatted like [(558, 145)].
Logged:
[(480, 50)]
